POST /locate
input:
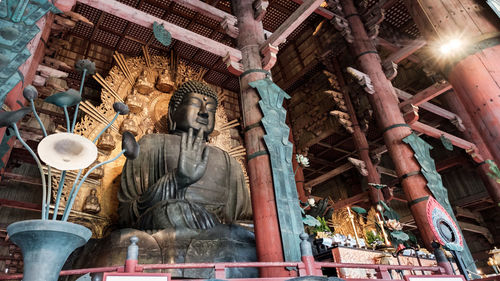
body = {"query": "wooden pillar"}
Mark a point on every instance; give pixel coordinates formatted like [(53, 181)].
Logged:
[(471, 134), (390, 120), (360, 141), (473, 73), (297, 169), (267, 234)]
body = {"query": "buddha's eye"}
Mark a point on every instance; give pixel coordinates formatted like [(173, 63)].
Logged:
[(211, 107), (194, 101)]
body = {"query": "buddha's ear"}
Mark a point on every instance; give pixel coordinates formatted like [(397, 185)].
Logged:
[(171, 122)]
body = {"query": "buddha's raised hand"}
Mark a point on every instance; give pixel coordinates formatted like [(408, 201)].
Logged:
[(193, 158)]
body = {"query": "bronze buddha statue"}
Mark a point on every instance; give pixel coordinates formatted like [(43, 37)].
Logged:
[(178, 181), (181, 197)]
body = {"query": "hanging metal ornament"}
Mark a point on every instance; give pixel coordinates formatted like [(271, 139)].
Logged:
[(161, 34)]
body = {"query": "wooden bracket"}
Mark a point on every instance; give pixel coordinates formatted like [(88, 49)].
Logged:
[(270, 56), (410, 113), (457, 122), (360, 165), (372, 18), (229, 25), (335, 6), (363, 80), (233, 64), (259, 9), (390, 69), (342, 26)]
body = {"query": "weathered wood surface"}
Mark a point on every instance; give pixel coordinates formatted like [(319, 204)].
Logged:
[(144, 19), (292, 22), (427, 94), (406, 51), (331, 174)]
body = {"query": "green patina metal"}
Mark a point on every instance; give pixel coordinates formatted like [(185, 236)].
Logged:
[(17, 29), (446, 143), (4, 146), (161, 34), (435, 185), (280, 151)]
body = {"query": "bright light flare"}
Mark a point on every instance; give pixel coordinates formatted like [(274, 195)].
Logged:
[(451, 47)]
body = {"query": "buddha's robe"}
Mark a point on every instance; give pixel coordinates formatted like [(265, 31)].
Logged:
[(151, 199)]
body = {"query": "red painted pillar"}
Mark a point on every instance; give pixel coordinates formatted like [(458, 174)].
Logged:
[(299, 173), (471, 134), (390, 120), (297, 169), (37, 49), (267, 234), (473, 70), (360, 141)]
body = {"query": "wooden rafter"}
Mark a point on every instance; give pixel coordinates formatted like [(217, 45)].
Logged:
[(406, 51), (456, 141), (144, 19), (427, 94), (291, 23), (331, 174), (432, 108), (319, 10)]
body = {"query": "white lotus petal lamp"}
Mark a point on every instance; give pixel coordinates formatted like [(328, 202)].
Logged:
[(67, 151)]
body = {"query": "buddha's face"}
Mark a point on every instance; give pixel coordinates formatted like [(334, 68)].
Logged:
[(196, 111)]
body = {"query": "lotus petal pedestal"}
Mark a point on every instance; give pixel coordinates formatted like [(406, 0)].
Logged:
[(46, 245)]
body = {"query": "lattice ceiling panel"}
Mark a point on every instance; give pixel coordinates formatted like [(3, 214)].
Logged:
[(214, 77), (155, 43), (233, 84), (224, 5), (288, 4), (177, 20), (129, 47), (206, 58), (217, 36), (114, 23), (413, 31), (139, 32), (178, 9), (273, 18), (132, 3), (106, 38), (82, 30), (152, 10), (206, 21), (156, 52), (162, 3), (88, 12), (185, 50), (397, 15), (200, 29)]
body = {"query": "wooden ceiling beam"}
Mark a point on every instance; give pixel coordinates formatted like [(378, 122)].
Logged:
[(393, 48), (456, 141), (329, 175), (427, 94), (292, 22), (430, 107), (406, 51), (319, 10), (144, 19), (212, 12)]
